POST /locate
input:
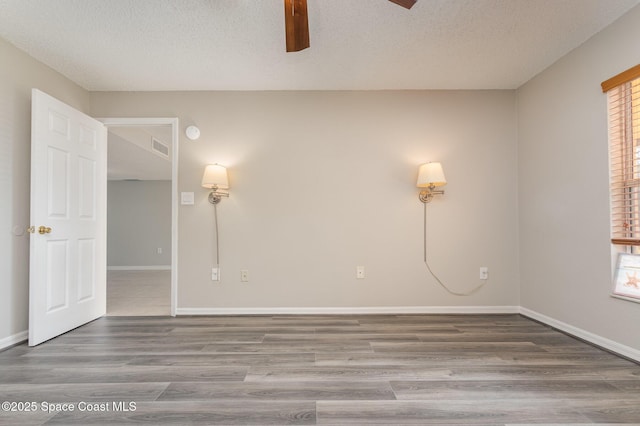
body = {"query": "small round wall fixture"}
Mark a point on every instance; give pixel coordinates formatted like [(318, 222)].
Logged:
[(192, 132)]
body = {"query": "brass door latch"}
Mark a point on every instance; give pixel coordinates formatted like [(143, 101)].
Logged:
[(41, 230)]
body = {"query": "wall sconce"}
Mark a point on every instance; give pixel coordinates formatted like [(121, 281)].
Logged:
[(430, 176), (215, 178)]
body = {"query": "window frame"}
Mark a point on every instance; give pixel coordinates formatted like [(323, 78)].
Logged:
[(623, 110)]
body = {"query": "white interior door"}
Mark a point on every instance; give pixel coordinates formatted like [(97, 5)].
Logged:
[(67, 286)]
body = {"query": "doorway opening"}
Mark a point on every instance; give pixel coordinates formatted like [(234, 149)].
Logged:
[(141, 216)]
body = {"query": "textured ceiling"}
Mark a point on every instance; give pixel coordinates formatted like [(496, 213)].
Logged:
[(355, 44)]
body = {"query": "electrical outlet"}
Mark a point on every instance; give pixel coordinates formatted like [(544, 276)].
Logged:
[(360, 272), (484, 273), (244, 275), (215, 274), (159, 250)]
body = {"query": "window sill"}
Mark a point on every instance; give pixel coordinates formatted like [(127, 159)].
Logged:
[(627, 298), (625, 241)]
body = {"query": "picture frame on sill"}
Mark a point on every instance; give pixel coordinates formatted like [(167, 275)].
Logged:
[(627, 276)]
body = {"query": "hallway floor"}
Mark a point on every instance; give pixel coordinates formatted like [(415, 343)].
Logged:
[(138, 293)]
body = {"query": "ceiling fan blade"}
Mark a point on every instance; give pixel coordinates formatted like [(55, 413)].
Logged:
[(404, 3), (296, 25)]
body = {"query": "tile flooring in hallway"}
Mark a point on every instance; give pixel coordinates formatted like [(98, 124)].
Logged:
[(139, 293)]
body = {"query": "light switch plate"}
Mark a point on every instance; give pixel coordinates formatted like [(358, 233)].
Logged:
[(187, 198)]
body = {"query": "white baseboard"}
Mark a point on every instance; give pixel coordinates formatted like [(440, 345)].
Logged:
[(603, 342), (353, 310), (140, 268), (14, 339)]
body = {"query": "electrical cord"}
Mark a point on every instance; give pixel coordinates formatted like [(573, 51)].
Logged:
[(215, 216), (469, 293)]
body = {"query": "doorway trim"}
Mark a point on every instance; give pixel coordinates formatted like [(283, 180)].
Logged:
[(174, 123)]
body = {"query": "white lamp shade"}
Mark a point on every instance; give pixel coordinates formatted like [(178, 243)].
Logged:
[(431, 174), (215, 175)]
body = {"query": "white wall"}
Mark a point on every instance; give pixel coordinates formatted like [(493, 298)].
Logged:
[(20, 73), (324, 181), (563, 187), (138, 223)]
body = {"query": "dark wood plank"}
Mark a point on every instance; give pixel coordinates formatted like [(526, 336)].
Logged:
[(66, 392), (196, 360), (199, 413), (340, 337), (621, 412), (291, 347), (452, 347), (15, 418), (481, 390), (376, 373), (171, 339), (126, 374), (69, 360), (444, 412), (445, 360), (295, 391)]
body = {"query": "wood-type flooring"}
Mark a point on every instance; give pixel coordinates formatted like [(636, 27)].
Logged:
[(325, 370)]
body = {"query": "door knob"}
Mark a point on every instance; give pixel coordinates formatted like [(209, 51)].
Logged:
[(44, 230), (31, 229)]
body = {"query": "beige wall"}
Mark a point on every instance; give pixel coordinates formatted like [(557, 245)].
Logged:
[(563, 187), (20, 73), (138, 223), (324, 181)]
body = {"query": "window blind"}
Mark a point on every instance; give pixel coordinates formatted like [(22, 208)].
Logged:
[(624, 156)]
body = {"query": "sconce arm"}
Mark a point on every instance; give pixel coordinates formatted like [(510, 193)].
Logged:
[(215, 196), (427, 194)]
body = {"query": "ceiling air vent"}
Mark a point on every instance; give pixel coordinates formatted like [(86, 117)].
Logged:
[(159, 148)]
